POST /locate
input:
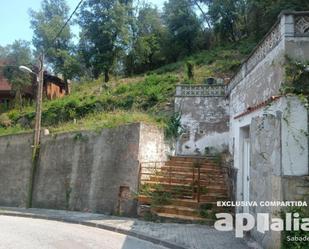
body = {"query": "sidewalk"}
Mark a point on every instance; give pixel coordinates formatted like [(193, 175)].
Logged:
[(170, 235)]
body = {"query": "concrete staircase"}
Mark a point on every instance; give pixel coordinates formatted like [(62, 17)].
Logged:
[(192, 185)]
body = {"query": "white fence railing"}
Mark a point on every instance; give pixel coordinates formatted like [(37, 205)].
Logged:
[(200, 90)]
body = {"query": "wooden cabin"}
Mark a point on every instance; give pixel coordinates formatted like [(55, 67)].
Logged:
[(6, 93), (54, 87)]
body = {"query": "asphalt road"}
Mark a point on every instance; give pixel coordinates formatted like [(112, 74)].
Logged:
[(26, 233)]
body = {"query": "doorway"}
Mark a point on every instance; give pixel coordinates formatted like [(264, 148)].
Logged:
[(245, 158)]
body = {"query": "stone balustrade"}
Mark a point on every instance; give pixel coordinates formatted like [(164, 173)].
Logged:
[(289, 24), (186, 90)]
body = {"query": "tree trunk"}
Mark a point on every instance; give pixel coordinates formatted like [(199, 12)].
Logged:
[(203, 13), (67, 87), (106, 75)]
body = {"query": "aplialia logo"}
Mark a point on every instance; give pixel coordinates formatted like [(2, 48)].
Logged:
[(245, 222)]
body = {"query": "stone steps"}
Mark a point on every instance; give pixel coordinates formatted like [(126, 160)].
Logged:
[(186, 181), (175, 169), (186, 186), (209, 165), (186, 203), (193, 158), (178, 210), (179, 176), (218, 177)]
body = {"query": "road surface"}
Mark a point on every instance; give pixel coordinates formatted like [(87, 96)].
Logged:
[(26, 233)]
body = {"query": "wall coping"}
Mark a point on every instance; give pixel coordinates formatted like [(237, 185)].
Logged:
[(26, 133)]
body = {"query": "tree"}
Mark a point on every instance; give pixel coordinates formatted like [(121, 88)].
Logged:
[(197, 3), (46, 24), (183, 26), (3, 52), (146, 51), (104, 33), (224, 17), (263, 14), (19, 53), (233, 20)]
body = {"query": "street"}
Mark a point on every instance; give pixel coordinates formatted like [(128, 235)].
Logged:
[(26, 233)]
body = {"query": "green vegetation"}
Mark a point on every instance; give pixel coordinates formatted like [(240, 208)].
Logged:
[(94, 105), (13, 130), (91, 108), (157, 194), (221, 61), (19, 53), (205, 211), (285, 243), (120, 39), (173, 126), (131, 37), (232, 20), (46, 24), (296, 79), (138, 40), (216, 155)]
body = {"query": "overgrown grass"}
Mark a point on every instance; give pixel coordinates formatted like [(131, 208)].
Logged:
[(91, 103), (16, 129), (97, 121), (94, 104), (221, 62)]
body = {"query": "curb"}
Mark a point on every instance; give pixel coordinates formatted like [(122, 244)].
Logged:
[(100, 226)]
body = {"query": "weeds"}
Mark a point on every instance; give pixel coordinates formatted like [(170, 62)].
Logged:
[(302, 244)]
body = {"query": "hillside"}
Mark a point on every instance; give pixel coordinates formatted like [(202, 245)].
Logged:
[(147, 98)]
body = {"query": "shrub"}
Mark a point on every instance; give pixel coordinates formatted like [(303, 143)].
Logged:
[(5, 121), (173, 126), (189, 70)]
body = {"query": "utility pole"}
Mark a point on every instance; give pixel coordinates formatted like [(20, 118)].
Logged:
[(37, 127), (38, 112)]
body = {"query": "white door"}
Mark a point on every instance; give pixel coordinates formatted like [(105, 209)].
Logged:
[(246, 173)]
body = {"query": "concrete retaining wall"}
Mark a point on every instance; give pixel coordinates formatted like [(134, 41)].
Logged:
[(15, 164), (87, 171)]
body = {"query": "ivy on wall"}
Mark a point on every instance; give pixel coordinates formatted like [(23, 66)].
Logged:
[(296, 84), (296, 80)]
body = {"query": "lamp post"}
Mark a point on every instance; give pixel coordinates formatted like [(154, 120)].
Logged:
[(37, 127)]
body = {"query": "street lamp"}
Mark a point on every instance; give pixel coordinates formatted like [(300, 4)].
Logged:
[(37, 127), (26, 70)]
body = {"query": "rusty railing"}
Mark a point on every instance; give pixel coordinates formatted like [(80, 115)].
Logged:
[(151, 172)]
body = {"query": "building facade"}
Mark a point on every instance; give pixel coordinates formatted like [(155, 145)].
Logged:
[(266, 131)]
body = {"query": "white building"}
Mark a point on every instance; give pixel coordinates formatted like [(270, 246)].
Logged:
[(265, 132)]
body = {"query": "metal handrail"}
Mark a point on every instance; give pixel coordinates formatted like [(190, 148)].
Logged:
[(195, 181)]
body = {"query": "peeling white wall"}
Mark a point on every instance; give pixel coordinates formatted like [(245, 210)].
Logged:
[(290, 158), (205, 124), (294, 143), (294, 138)]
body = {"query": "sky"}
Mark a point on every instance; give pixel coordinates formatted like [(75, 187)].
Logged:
[(15, 21)]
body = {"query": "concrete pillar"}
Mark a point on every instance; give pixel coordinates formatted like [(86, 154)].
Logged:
[(287, 25), (178, 90)]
